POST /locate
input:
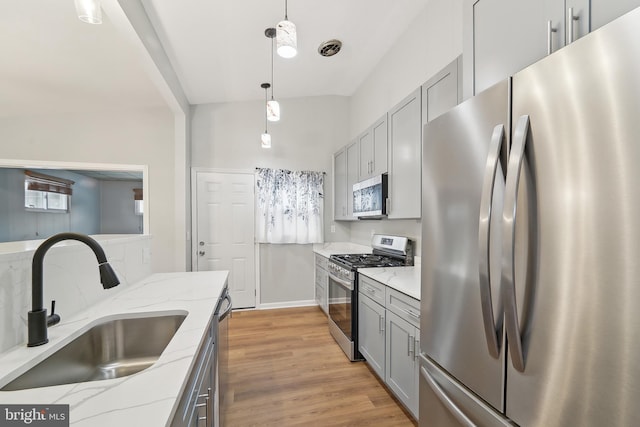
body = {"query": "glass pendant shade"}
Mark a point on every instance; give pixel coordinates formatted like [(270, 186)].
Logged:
[(89, 11), (266, 140), (286, 39), (273, 111)]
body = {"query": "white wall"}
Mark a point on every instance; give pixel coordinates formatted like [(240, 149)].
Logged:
[(119, 137), (432, 41), (71, 279), (117, 213), (18, 224), (227, 136)]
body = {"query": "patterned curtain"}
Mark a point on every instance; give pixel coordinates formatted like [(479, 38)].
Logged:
[(289, 206)]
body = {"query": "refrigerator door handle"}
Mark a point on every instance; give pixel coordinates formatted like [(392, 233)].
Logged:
[(508, 284), (492, 333), (446, 400)]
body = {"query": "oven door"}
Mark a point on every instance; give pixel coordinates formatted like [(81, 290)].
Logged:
[(340, 304)]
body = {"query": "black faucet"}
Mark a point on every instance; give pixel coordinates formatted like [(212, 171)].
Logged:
[(37, 319)]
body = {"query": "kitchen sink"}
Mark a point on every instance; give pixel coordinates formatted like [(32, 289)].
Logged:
[(111, 349)]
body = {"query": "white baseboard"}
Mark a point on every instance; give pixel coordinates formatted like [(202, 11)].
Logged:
[(286, 304)]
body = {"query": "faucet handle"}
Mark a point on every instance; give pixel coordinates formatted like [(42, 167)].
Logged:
[(53, 318)]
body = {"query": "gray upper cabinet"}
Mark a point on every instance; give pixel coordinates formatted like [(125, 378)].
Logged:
[(442, 92), (345, 174), (373, 150), (353, 152), (509, 35), (405, 154), (504, 36), (604, 11), (340, 184)]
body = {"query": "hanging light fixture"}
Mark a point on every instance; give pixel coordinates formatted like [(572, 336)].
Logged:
[(286, 38), (265, 138), (273, 107), (89, 11)]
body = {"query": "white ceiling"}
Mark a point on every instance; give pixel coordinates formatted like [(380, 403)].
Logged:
[(53, 63), (220, 53)]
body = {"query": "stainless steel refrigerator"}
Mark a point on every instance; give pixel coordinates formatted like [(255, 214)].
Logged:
[(530, 308)]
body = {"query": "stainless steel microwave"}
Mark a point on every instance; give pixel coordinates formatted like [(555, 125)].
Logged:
[(370, 197)]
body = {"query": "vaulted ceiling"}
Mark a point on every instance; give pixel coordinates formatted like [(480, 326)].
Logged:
[(52, 62)]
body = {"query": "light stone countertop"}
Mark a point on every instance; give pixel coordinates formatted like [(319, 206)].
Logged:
[(334, 248), (403, 279), (20, 247), (148, 398)]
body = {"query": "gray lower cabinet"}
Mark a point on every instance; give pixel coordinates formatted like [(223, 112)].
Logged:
[(371, 333), (402, 363), (322, 282), (196, 407), (388, 334)]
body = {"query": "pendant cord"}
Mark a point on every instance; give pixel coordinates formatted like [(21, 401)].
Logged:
[(272, 42), (286, 18)]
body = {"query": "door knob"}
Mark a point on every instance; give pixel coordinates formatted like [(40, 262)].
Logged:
[(201, 253), (201, 243)]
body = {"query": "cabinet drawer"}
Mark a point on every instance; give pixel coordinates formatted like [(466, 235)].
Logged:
[(322, 277), (404, 306), (372, 289), (322, 262)]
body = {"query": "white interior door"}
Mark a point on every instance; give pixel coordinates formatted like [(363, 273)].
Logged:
[(225, 231)]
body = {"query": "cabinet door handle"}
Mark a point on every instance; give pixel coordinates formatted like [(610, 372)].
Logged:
[(412, 314), (550, 31), (207, 412), (409, 342), (572, 18), (381, 323), (416, 348)]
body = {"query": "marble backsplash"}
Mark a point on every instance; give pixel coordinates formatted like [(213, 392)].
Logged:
[(70, 278)]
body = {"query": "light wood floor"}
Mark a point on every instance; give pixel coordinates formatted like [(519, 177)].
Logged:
[(285, 369)]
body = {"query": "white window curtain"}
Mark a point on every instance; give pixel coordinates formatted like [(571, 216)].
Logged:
[(289, 206)]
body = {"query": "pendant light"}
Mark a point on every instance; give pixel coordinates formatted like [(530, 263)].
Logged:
[(89, 11), (286, 38), (273, 107), (265, 138)]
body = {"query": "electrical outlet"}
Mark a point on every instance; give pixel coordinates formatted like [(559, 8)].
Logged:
[(146, 255), (333, 228)]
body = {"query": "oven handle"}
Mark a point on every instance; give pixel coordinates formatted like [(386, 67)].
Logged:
[(345, 283)]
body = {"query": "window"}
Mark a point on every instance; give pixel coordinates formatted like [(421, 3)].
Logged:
[(46, 193), (138, 207)]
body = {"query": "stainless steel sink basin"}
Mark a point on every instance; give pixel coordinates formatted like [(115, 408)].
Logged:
[(112, 349)]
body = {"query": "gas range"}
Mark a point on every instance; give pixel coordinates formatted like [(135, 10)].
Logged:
[(388, 251), (355, 261)]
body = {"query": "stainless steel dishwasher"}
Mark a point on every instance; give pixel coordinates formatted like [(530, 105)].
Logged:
[(221, 356)]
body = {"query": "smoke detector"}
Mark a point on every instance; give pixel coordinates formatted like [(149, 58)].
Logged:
[(330, 48)]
